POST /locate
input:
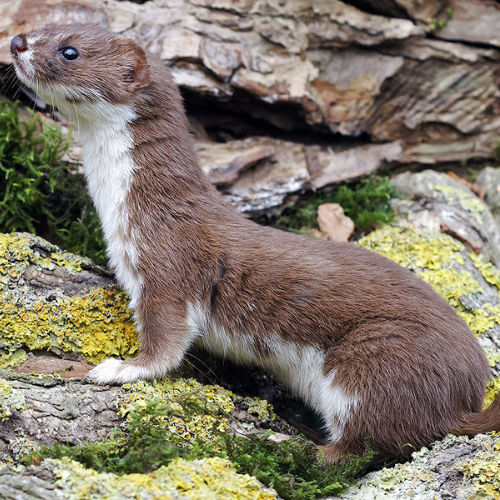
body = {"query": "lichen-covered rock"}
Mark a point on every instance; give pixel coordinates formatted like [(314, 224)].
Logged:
[(55, 301), (11, 400), (455, 467), (439, 202), (196, 411), (489, 178), (211, 478)]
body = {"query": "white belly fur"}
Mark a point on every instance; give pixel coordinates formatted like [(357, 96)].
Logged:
[(300, 368)]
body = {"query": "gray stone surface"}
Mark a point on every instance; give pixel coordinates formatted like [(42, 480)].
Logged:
[(437, 201), (436, 472)]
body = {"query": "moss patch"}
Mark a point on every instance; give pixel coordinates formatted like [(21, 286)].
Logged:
[(10, 400), (193, 411), (367, 203), (38, 193), (182, 418)]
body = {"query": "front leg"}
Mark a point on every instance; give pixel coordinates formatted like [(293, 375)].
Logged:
[(166, 331)]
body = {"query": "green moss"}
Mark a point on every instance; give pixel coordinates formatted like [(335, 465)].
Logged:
[(367, 203), (10, 400), (199, 479), (484, 470), (193, 411), (37, 192)]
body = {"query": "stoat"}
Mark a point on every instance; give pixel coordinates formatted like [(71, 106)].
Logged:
[(371, 347)]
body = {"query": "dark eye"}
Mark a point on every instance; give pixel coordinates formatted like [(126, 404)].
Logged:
[(69, 53)]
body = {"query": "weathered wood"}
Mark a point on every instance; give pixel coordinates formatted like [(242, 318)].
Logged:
[(344, 69)]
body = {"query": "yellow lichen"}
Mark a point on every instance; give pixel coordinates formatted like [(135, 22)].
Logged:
[(96, 325), (210, 478), (410, 249), (19, 250), (484, 470), (193, 410), (450, 283), (490, 273), (10, 400), (12, 358), (492, 389)]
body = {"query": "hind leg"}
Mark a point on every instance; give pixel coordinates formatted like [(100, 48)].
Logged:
[(331, 453), (401, 391)]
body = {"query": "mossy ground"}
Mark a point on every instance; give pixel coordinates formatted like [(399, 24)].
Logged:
[(367, 203), (183, 418)]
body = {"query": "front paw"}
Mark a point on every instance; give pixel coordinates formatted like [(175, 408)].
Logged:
[(116, 371)]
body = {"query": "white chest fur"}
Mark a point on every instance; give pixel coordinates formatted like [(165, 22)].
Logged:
[(109, 167)]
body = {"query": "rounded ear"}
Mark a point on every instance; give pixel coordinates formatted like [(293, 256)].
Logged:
[(137, 74)]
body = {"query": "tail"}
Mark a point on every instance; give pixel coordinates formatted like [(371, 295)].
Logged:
[(477, 423)]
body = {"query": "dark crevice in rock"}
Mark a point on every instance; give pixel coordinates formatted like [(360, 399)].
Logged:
[(243, 116), (476, 45), (381, 8)]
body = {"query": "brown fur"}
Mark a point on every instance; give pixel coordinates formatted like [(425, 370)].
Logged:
[(392, 340)]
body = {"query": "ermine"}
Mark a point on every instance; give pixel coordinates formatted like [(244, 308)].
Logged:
[(372, 348)]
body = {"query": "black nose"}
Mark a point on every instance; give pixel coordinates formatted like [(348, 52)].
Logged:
[(18, 45)]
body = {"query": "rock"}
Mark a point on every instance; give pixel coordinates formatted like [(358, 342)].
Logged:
[(224, 162), (50, 365), (474, 21), (71, 412), (437, 201), (489, 177), (328, 166), (456, 467), (423, 10), (333, 222), (266, 187)]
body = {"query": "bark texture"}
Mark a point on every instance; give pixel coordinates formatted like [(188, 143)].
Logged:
[(366, 83)]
